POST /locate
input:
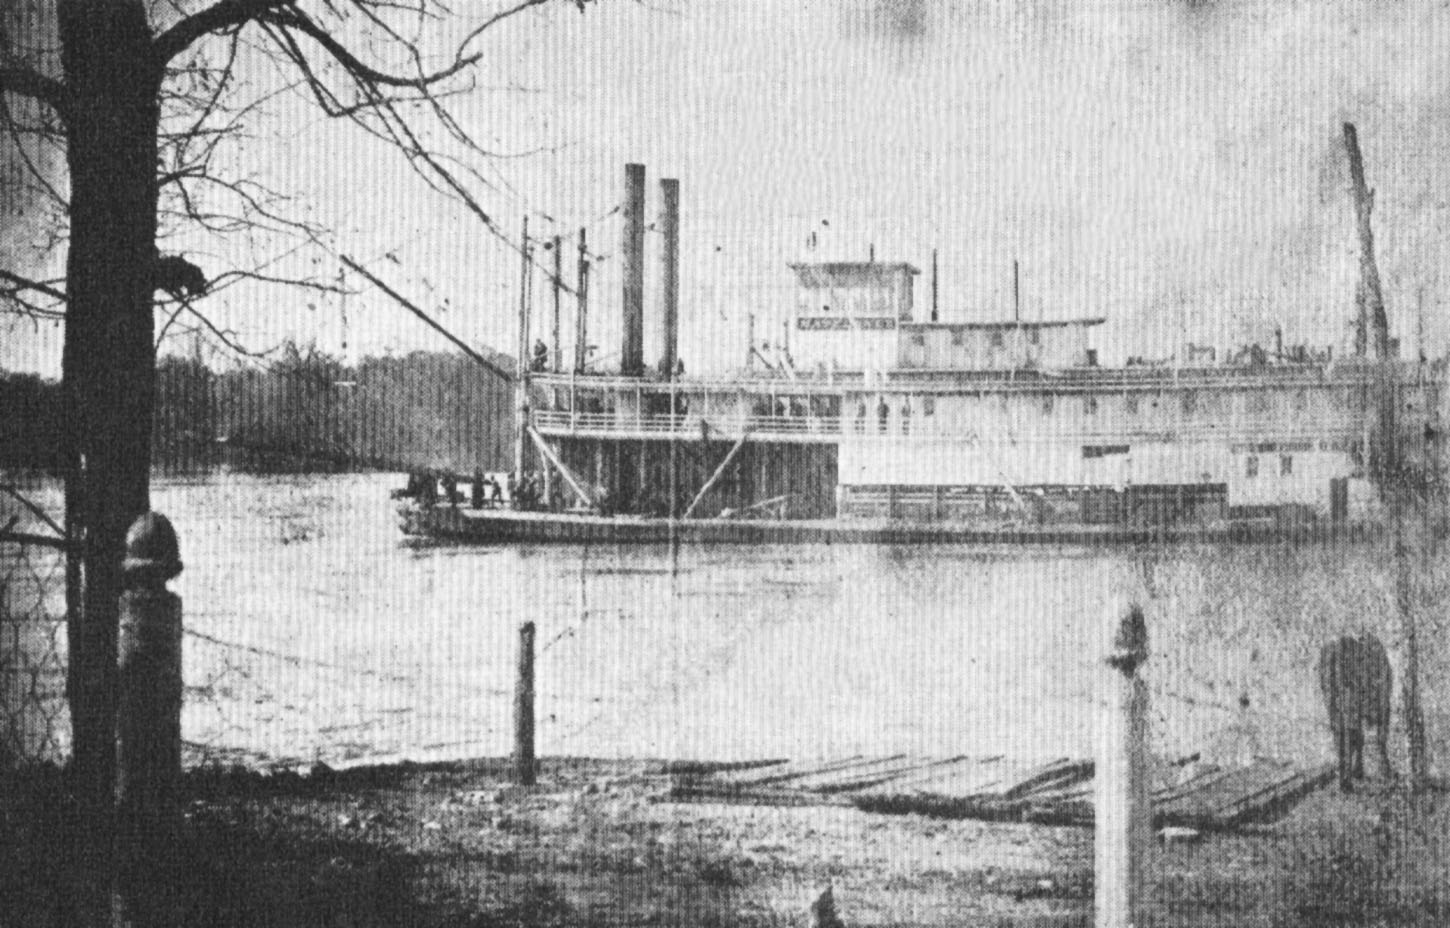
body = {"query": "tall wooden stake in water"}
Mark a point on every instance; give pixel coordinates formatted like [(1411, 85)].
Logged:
[(1122, 808), (524, 760)]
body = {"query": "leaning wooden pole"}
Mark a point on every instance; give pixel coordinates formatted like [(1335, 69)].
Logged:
[(1374, 304), (1384, 460), (1386, 464)]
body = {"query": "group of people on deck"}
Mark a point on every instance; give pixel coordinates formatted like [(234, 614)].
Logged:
[(431, 488)]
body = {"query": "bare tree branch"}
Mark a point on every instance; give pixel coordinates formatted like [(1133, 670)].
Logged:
[(498, 18), (296, 19), (28, 83), (225, 14), (39, 286)]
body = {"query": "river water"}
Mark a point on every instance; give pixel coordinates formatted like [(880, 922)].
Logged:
[(317, 631)]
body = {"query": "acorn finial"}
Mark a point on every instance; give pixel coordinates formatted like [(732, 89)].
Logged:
[(153, 555)]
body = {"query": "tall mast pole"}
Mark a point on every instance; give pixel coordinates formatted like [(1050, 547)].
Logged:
[(558, 295), (581, 307), (933, 286), (1016, 295), (521, 379)]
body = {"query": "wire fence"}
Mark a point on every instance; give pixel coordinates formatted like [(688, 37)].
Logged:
[(34, 721)]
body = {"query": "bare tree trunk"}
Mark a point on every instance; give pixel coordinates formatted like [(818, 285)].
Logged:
[(108, 359)]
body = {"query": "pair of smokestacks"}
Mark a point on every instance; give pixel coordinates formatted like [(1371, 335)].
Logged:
[(631, 356)]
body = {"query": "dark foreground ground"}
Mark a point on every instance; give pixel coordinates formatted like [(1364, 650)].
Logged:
[(601, 843)]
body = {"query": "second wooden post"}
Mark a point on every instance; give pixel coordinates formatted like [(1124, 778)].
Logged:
[(1123, 810), (524, 763)]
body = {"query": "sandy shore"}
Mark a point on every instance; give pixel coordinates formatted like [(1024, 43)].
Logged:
[(603, 843)]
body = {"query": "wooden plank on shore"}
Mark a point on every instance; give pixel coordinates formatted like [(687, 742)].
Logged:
[(871, 773), (1224, 791), (704, 790), (962, 777), (995, 788), (1276, 798), (787, 771), (1049, 776), (1007, 781)]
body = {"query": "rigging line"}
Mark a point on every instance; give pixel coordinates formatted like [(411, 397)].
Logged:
[(428, 319)]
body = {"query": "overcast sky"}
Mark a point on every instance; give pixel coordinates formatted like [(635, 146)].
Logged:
[(1175, 167)]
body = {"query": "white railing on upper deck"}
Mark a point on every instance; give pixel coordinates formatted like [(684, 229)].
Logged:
[(550, 420), (1310, 434)]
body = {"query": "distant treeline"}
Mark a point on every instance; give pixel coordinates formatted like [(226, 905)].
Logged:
[(30, 418), (305, 411)]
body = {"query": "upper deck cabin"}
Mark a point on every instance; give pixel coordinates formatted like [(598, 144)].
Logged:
[(857, 316)]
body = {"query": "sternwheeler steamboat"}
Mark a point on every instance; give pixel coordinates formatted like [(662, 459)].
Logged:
[(876, 425)]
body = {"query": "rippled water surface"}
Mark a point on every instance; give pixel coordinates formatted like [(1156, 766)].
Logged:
[(316, 630)]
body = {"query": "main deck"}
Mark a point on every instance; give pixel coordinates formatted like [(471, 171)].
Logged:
[(507, 527)]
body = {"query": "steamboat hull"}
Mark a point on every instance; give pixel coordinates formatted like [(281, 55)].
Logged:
[(505, 527)]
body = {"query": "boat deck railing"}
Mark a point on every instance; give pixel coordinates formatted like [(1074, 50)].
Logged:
[(1349, 372), (1280, 437), (625, 424)]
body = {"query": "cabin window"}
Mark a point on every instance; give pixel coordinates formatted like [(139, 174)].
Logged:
[(1190, 402), (1047, 403), (958, 338), (861, 418), (1033, 336), (1090, 405), (1251, 466), (883, 413), (906, 418), (996, 340), (1103, 451), (1286, 465), (918, 339), (928, 406), (1130, 402), (1301, 400)]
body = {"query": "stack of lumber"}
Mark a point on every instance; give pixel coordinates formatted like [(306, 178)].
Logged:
[(998, 788)]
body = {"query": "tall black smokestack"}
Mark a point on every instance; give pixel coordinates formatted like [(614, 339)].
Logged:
[(670, 299), (631, 352)]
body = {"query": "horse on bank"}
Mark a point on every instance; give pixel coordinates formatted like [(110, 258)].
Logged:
[(1357, 683)]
